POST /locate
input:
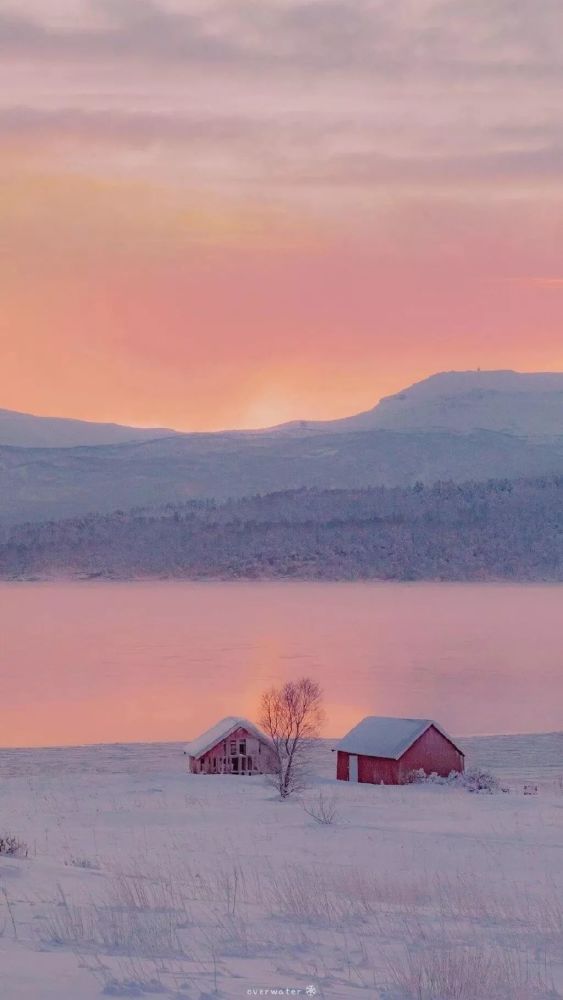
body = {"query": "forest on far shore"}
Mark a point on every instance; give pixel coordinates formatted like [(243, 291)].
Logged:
[(494, 530)]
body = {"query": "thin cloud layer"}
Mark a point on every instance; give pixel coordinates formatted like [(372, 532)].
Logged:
[(422, 90), (443, 37)]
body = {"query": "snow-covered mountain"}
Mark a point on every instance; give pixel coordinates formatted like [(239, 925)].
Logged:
[(523, 403), (24, 430), (527, 404)]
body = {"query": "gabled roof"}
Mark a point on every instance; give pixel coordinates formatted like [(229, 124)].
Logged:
[(221, 731), (383, 736)]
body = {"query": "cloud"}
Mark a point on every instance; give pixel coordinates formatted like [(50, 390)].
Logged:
[(293, 97), (120, 127), (444, 169), (540, 282), (443, 38), (129, 31)]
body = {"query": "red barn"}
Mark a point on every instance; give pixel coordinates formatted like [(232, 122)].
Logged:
[(232, 746), (383, 750)]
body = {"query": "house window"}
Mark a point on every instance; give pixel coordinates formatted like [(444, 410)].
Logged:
[(242, 747), (233, 748)]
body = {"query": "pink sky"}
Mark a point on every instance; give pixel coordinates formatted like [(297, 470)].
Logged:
[(233, 213)]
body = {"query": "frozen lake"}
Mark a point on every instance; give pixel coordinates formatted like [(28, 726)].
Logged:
[(159, 661)]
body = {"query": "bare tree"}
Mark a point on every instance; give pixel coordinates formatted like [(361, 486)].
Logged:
[(292, 715)]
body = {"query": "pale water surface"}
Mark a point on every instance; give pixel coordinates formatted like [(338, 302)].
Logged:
[(104, 662)]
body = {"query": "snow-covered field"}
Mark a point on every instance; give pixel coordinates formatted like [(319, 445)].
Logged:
[(141, 880)]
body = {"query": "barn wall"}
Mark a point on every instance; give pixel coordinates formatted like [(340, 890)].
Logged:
[(342, 773), (371, 770), (431, 752), (375, 770)]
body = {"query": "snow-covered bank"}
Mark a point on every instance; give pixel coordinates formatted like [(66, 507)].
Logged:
[(143, 880)]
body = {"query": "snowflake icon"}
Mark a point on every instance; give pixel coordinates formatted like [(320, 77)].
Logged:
[(311, 991)]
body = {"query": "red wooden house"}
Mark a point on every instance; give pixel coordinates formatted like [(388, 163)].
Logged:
[(384, 750), (232, 746)]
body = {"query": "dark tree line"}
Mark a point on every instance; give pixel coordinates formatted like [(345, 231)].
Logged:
[(498, 529)]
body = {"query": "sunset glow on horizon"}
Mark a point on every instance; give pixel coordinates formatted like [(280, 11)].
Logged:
[(235, 214)]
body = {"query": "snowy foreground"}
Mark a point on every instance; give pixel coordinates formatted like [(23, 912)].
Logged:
[(144, 881)]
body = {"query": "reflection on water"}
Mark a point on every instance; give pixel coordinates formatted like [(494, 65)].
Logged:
[(103, 662)]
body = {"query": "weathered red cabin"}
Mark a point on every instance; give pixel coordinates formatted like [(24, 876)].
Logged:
[(232, 746), (382, 750)]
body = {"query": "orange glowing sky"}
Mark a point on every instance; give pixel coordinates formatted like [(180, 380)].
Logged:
[(232, 213)]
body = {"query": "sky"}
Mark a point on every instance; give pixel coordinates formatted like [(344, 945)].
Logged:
[(230, 213)]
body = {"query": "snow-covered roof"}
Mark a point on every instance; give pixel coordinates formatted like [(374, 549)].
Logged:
[(221, 731), (382, 736)]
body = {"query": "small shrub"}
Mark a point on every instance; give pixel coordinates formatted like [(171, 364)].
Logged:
[(12, 846), (417, 776), (478, 780), (475, 780), (420, 777), (88, 863), (323, 809)]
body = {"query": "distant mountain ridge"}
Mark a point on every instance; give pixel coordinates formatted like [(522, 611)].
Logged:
[(522, 403), (25, 430), (454, 426)]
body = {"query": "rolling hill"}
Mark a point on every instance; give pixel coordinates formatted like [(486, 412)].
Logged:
[(25, 430)]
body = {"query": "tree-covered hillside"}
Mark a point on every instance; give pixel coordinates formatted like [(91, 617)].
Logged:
[(471, 531)]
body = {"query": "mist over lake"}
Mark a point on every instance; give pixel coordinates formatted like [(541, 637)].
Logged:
[(117, 662)]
